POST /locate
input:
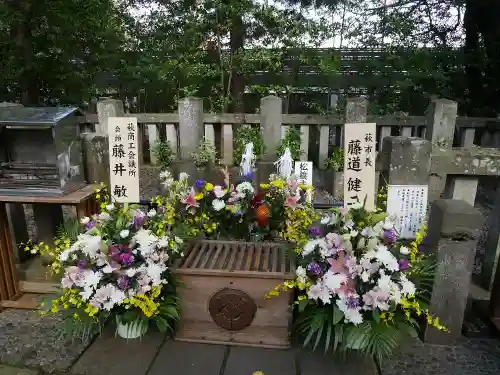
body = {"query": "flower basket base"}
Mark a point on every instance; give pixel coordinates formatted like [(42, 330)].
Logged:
[(224, 298), (132, 330)]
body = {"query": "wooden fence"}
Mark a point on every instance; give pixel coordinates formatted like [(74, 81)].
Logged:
[(319, 133)]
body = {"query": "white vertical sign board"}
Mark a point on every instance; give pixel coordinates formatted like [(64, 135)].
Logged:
[(407, 204), (123, 159), (359, 164), (304, 173)]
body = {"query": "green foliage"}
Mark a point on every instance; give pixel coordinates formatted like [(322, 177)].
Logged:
[(69, 228), (243, 135), (292, 141), (322, 327), (205, 155), (336, 160), (164, 154)]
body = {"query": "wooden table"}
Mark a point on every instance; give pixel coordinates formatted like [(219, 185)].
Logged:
[(47, 217)]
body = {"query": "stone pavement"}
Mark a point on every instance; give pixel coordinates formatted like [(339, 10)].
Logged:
[(29, 345), (28, 341)]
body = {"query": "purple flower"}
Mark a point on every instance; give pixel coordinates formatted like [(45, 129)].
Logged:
[(123, 282), (199, 184), (315, 232), (139, 220), (389, 237), (126, 259), (115, 250), (82, 264), (403, 264), (314, 269), (90, 225), (352, 302)]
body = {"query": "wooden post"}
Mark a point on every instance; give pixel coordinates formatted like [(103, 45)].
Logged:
[(9, 284), (271, 119), (191, 128), (17, 218)]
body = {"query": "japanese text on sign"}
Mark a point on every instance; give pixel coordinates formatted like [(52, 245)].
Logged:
[(123, 159), (359, 164), (408, 205), (304, 173)]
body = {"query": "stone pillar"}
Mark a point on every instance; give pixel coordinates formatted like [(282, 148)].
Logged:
[(494, 306), (271, 119), (107, 108), (191, 128), (405, 161), (96, 157), (492, 246), (441, 120), (356, 110), (453, 233)]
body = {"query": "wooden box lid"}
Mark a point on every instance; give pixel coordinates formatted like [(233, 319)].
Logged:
[(233, 258)]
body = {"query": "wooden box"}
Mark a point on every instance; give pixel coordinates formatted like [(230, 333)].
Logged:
[(223, 301)]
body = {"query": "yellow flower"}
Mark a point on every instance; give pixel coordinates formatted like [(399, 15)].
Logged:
[(198, 196), (209, 186), (264, 186), (258, 373)]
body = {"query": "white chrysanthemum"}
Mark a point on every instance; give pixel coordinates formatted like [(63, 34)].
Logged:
[(124, 233), (404, 250), (407, 287), (319, 292), (103, 216), (218, 204), (387, 258), (154, 271), (110, 207), (85, 220), (244, 188), (163, 242), (312, 244), (300, 271), (333, 281), (146, 241), (183, 176), (152, 213)]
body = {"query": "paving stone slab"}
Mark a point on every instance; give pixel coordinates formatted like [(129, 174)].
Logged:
[(317, 363), (28, 339), (246, 361), (110, 355), (11, 370), (471, 356), (182, 358)]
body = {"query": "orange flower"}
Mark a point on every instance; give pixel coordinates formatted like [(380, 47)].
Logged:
[(262, 214)]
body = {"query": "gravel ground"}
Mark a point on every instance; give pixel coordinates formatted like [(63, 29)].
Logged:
[(468, 357), (27, 339)]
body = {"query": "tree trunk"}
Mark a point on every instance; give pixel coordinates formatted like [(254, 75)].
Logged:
[(238, 80), (473, 54), (21, 34)]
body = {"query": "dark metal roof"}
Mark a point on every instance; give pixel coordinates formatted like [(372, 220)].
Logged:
[(23, 116)]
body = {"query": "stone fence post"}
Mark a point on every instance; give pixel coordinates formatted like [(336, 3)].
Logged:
[(271, 119), (453, 233), (106, 108), (96, 157), (404, 161), (191, 127), (441, 120)]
